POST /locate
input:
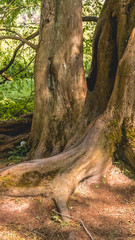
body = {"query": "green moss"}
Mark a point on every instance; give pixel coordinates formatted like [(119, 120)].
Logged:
[(34, 178), (118, 136), (113, 135), (7, 181), (130, 135), (30, 179)]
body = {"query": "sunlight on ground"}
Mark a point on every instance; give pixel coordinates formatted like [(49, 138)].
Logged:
[(8, 234), (15, 206)]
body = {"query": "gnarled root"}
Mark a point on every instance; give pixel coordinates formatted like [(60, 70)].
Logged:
[(58, 176)]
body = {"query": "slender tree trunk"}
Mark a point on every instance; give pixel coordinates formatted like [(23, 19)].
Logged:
[(109, 107)]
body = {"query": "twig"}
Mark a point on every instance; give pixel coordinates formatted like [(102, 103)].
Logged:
[(80, 220), (24, 68), (38, 233), (55, 232), (62, 236)]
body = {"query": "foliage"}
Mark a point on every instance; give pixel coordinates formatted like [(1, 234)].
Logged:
[(18, 153), (16, 99), (90, 7), (11, 10)]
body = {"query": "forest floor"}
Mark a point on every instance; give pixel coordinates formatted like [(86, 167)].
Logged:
[(106, 208)]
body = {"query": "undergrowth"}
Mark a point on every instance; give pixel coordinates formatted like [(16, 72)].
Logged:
[(124, 166), (16, 98)]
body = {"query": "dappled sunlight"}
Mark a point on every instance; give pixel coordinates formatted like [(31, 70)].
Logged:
[(109, 203), (106, 208), (14, 205), (76, 42)]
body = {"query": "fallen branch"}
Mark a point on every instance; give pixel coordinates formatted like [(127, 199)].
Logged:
[(55, 232), (78, 219), (62, 236), (38, 233)]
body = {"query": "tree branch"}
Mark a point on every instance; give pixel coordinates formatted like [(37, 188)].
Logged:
[(16, 50), (89, 19), (24, 68), (24, 40), (9, 30)]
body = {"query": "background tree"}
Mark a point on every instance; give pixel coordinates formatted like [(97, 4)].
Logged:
[(81, 128)]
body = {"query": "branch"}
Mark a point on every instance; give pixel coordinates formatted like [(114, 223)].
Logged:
[(24, 40), (16, 50), (78, 219), (24, 68), (6, 78), (26, 6), (9, 4), (89, 19), (6, 8), (9, 30)]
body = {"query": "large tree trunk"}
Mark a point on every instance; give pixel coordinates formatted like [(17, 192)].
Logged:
[(60, 87), (108, 108)]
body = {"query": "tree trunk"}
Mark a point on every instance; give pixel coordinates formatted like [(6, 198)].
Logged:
[(60, 87), (108, 107)]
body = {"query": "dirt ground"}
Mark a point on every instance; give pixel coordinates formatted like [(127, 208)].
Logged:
[(104, 210)]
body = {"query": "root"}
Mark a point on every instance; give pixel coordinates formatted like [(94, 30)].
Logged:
[(13, 132), (62, 208), (59, 175)]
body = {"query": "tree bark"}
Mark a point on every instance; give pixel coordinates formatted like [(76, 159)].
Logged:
[(107, 112), (60, 85)]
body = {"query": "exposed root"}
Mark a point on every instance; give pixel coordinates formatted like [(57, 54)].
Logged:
[(13, 132), (8, 142), (58, 176)]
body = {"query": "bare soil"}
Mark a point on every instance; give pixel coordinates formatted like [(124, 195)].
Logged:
[(106, 208)]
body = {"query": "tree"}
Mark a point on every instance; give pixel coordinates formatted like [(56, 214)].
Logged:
[(76, 131)]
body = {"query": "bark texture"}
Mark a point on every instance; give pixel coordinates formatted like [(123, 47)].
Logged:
[(60, 86), (108, 110)]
